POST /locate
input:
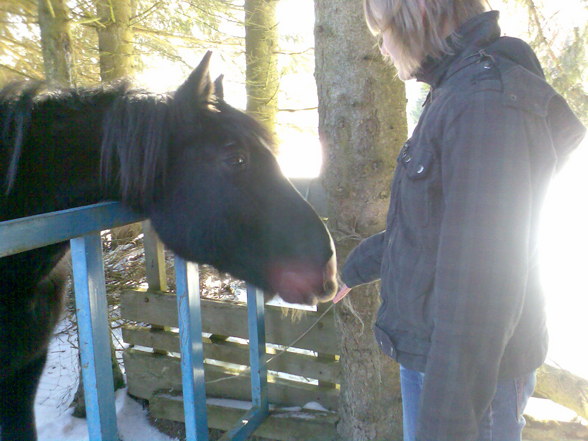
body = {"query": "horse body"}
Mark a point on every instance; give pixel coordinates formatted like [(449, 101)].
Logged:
[(199, 169)]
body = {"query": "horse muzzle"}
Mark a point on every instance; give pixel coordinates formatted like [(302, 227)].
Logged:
[(302, 283)]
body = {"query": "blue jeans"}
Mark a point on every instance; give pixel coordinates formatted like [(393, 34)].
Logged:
[(503, 421)]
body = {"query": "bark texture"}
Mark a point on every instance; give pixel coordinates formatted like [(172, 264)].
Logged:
[(362, 125), (563, 387), (115, 39), (261, 45), (56, 41)]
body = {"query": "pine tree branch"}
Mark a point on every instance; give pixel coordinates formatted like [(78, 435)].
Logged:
[(536, 19), (18, 72), (233, 41)]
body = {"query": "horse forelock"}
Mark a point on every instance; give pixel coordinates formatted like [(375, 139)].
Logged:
[(138, 129), (243, 127)]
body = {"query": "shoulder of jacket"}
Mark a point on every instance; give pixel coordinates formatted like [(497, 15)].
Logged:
[(525, 90), (491, 73), (521, 74)]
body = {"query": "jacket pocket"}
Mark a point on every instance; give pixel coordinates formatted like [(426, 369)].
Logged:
[(415, 190)]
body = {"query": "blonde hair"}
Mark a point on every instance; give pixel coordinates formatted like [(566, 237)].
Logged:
[(417, 27)]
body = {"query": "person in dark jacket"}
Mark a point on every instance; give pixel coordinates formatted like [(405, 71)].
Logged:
[(462, 309)]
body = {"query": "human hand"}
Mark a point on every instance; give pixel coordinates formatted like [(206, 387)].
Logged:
[(343, 290)]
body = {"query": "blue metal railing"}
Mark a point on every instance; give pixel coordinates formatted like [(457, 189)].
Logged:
[(82, 227)]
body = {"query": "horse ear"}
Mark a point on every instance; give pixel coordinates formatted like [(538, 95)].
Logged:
[(218, 88), (198, 85)]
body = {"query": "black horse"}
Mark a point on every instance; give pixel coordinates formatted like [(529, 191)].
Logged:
[(201, 170)]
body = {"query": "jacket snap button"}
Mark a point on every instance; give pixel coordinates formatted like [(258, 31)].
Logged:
[(421, 169), (487, 65), (513, 97)]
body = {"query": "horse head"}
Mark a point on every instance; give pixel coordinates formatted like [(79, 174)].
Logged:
[(223, 200)]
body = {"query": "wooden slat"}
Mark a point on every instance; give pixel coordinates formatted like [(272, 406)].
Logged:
[(292, 363), (225, 318), (148, 374), (154, 258), (281, 425)]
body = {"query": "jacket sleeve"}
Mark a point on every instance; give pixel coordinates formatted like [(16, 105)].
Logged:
[(363, 263), (481, 266)]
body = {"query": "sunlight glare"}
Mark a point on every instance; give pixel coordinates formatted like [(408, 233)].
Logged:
[(300, 156), (564, 263), (161, 75)]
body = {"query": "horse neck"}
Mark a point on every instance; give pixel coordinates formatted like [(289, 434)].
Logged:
[(59, 164)]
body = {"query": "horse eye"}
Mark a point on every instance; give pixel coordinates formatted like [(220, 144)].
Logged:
[(237, 160)]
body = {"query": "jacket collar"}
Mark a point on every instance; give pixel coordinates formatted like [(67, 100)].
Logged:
[(470, 37)]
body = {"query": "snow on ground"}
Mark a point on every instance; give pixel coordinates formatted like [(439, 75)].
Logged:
[(59, 425), (58, 385)]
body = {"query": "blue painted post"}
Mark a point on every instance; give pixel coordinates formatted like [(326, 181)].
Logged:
[(257, 355), (191, 348), (94, 335), (257, 360)]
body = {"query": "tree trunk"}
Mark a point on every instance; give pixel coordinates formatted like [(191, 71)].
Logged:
[(362, 125), (554, 430), (563, 387), (261, 44), (56, 41), (115, 39)]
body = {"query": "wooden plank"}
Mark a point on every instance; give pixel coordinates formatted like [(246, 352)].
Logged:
[(154, 258), (303, 365), (281, 425), (226, 318), (148, 374)]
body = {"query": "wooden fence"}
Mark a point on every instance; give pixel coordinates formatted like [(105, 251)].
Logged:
[(302, 353)]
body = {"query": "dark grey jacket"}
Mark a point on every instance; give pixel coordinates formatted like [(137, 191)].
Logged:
[(458, 262)]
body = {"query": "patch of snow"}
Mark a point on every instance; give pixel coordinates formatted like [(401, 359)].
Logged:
[(233, 404), (132, 421), (298, 415), (57, 387), (313, 405), (542, 409)]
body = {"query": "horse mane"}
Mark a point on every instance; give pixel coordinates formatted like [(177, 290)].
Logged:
[(135, 143), (136, 129), (135, 132), (16, 107)]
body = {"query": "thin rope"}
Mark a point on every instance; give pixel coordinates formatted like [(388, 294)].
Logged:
[(282, 351)]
